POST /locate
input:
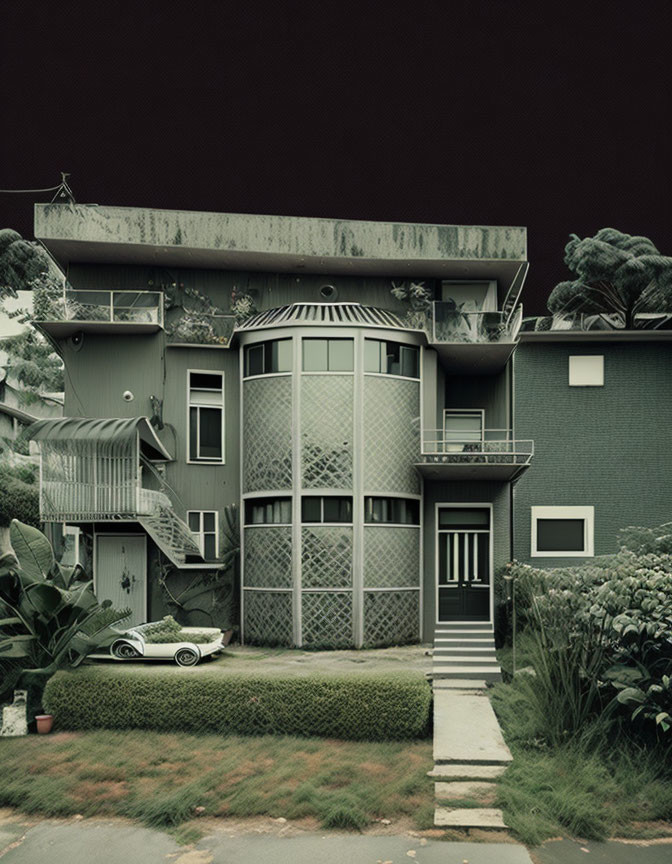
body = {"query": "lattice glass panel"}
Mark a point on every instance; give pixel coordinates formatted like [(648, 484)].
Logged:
[(391, 434), (327, 619), (326, 557), (268, 557), (391, 557), (391, 617), (268, 618), (326, 430), (267, 434)]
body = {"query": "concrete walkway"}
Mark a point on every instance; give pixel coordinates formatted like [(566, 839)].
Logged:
[(469, 755), (115, 842)]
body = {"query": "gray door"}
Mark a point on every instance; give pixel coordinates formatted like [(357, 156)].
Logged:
[(121, 573)]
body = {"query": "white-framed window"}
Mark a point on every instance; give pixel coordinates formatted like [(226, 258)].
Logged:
[(391, 358), (326, 508), (563, 532), (463, 430), (586, 370), (205, 416), (265, 358), (204, 525)]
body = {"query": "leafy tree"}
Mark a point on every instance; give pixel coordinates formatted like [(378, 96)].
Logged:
[(21, 262), (616, 274), (32, 363)]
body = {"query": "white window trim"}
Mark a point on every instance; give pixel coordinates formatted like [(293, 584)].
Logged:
[(322, 497), (190, 461), (575, 372), (585, 513), (200, 534)]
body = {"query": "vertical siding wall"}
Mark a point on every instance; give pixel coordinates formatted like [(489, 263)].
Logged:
[(603, 446)]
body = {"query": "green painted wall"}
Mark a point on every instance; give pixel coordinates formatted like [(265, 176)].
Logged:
[(438, 492), (604, 446), (107, 365), (269, 289)]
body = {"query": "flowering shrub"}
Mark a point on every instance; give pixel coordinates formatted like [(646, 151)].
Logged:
[(613, 617)]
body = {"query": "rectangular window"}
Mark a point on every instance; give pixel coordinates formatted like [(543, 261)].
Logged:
[(268, 511), (586, 370), (265, 358), (562, 532), (391, 358), (328, 355), (203, 525), (395, 511), (327, 508), (206, 417), (462, 431)]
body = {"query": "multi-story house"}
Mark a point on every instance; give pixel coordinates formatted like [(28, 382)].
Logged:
[(362, 392)]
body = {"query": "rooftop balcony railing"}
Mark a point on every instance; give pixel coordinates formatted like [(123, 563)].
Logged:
[(81, 309), (452, 325), (493, 455)]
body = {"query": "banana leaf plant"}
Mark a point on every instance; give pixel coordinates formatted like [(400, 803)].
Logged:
[(45, 611)]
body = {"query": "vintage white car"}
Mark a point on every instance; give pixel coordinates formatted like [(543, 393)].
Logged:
[(131, 645)]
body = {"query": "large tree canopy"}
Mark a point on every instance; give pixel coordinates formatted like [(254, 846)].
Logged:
[(21, 262), (616, 274)]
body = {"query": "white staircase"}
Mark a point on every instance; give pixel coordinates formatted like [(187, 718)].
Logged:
[(170, 533), (465, 651)]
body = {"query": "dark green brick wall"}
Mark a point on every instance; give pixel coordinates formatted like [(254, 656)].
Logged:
[(608, 446)]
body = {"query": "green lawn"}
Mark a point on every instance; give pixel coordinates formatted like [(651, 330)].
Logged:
[(160, 778), (588, 787)]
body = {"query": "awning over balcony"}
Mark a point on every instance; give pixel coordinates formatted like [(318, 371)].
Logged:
[(114, 430)]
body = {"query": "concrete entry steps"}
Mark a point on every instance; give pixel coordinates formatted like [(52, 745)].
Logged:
[(465, 651)]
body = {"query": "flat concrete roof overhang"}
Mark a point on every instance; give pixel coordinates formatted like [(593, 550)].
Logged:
[(507, 472), (241, 241), (483, 358)]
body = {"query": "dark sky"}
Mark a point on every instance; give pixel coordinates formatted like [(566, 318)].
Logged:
[(554, 116)]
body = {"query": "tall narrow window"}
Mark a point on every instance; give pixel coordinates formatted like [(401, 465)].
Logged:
[(206, 417), (203, 525)]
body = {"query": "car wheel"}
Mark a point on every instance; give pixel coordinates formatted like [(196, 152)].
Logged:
[(186, 657), (124, 651)]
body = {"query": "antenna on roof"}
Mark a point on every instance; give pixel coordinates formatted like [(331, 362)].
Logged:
[(64, 192)]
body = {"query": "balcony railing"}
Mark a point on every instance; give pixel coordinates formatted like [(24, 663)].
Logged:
[(495, 454), (105, 307), (452, 325)]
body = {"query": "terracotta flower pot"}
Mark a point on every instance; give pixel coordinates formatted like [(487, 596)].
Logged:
[(44, 723)]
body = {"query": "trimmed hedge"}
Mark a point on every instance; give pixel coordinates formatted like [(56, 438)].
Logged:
[(365, 707)]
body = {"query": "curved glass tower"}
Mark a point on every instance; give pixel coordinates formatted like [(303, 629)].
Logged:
[(330, 432)]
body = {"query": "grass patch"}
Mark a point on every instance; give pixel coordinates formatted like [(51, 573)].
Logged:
[(586, 787), (159, 779)]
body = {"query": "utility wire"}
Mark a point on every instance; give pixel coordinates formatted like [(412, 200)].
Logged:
[(28, 191)]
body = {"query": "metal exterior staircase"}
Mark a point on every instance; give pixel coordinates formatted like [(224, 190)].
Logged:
[(465, 651), (170, 533)]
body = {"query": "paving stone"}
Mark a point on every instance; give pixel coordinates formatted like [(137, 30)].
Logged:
[(463, 789), (466, 729), (469, 817), (471, 772)]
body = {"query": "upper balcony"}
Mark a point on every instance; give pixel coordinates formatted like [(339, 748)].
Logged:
[(492, 455), (473, 341), (98, 311)]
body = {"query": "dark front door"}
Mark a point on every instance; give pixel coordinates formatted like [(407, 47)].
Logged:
[(463, 578)]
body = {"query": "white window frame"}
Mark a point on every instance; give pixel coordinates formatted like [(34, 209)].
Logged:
[(307, 494), (199, 535), (76, 532), (587, 513), (190, 405), (462, 412), (580, 376)]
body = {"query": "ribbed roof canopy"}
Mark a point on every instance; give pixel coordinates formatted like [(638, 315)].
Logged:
[(336, 314), (102, 430)]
